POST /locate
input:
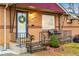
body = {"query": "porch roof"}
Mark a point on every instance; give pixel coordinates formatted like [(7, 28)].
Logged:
[(42, 6)]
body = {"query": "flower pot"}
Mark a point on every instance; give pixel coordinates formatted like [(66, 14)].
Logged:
[(56, 49), (54, 46)]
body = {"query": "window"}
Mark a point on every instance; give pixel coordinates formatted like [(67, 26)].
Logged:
[(48, 22)]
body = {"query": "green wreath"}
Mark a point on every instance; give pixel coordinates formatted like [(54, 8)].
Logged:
[(21, 19)]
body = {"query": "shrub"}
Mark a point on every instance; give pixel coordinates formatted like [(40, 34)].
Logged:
[(54, 41), (76, 39)]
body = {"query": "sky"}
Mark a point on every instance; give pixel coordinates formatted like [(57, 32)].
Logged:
[(66, 5)]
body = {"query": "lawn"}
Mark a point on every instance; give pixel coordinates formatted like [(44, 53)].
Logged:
[(69, 49)]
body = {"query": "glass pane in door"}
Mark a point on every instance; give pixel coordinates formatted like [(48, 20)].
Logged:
[(21, 25)]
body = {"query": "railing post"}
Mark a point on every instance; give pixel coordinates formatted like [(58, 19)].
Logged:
[(20, 39)]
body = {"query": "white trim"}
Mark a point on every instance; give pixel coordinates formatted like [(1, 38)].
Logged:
[(72, 15), (62, 8), (4, 28)]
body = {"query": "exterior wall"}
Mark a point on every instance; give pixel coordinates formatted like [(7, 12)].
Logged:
[(73, 27), (1, 25), (34, 25)]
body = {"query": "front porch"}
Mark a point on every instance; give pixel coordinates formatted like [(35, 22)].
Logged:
[(29, 45)]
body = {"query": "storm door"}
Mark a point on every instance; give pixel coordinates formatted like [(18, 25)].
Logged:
[(21, 22)]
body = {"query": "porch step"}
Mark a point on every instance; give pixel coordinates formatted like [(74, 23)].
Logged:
[(38, 48), (16, 48), (1, 48)]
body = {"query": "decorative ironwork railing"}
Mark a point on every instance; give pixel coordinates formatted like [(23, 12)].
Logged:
[(40, 44), (66, 36), (26, 40), (22, 39)]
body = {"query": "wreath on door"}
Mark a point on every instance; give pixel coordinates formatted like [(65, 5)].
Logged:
[(21, 19)]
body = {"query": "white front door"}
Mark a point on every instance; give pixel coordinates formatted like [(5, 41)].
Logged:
[(21, 24)]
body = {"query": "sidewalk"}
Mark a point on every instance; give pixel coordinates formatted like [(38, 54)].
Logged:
[(8, 52)]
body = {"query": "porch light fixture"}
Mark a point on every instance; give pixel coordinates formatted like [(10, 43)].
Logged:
[(32, 15), (78, 21), (69, 20), (31, 7)]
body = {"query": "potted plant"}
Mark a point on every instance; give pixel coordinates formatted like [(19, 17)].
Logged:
[(54, 41)]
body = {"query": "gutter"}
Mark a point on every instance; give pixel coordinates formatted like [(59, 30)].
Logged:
[(5, 11), (5, 46), (72, 15), (62, 8)]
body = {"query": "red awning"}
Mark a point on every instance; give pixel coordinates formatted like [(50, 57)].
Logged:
[(49, 6)]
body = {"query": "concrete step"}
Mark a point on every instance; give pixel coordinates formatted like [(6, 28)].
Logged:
[(16, 48), (1, 48)]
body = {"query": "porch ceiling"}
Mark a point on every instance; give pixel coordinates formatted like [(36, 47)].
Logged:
[(53, 7)]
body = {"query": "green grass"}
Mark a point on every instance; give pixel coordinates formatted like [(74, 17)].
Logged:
[(70, 49)]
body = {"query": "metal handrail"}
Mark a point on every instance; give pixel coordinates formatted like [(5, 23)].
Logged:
[(22, 39), (42, 38), (27, 41), (66, 36), (41, 42)]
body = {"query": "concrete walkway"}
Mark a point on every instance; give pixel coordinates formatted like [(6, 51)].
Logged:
[(8, 52)]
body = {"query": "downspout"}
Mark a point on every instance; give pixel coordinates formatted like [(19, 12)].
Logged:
[(59, 24), (5, 46)]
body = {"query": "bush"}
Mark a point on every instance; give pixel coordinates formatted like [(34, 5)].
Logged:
[(54, 41), (76, 39)]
